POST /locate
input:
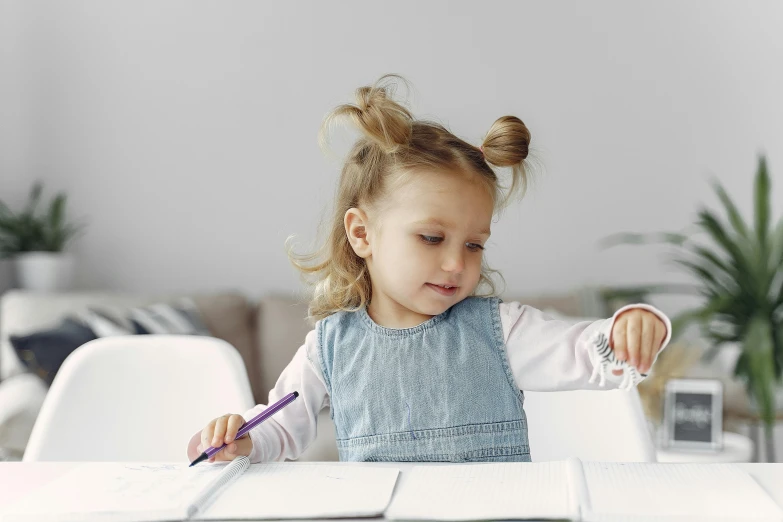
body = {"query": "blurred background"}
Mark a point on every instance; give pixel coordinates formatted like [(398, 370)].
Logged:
[(184, 133)]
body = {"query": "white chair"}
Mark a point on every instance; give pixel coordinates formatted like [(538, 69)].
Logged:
[(137, 398), (588, 424)]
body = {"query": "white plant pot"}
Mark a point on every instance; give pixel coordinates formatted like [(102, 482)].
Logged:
[(44, 271)]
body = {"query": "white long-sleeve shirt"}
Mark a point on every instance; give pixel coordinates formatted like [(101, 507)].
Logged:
[(545, 354)]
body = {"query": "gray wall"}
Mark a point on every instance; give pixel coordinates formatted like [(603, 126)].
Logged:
[(185, 132)]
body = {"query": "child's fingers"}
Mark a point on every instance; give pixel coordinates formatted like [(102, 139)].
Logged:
[(220, 431), (633, 339), (648, 342), (618, 340), (637, 336), (206, 435), (234, 423), (224, 454), (237, 448), (659, 333)]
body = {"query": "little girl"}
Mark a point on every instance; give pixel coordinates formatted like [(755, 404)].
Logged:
[(413, 364)]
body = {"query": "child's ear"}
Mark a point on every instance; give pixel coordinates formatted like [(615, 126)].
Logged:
[(356, 225)]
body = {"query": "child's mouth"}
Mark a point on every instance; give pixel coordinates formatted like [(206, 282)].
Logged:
[(443, 289)]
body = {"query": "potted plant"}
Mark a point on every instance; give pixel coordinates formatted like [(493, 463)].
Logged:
[(738, 275), (36, 242)]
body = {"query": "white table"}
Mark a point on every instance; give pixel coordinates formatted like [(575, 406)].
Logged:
[(17, 478)]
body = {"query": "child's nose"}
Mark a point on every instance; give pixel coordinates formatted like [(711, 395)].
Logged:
[(454, 262)]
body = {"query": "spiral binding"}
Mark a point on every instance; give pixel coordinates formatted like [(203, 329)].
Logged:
[(228, 475)]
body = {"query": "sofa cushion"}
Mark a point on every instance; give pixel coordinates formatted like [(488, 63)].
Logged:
[(44, 351), (232, 317), (179, 318), (281, 328)]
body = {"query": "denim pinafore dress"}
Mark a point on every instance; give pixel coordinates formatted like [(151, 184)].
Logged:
[(441, 391)]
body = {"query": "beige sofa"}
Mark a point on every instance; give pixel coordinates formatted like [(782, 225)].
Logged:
[(266, 333)]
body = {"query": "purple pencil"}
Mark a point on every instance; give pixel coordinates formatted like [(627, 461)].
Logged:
[(249, 425)]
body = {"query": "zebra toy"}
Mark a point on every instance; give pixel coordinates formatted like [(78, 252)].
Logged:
[(604, 360)]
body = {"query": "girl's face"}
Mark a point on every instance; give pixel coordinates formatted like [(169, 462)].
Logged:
[(426, 245)]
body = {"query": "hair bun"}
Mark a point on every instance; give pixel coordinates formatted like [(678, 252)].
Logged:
[(507, 142), (382, 120)]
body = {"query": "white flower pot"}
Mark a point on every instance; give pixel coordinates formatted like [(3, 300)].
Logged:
[(44, 271)]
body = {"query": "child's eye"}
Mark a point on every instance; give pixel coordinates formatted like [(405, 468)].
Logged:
[(474, 247), (431, 240)]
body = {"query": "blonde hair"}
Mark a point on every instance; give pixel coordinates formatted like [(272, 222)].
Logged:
[(392, 142)]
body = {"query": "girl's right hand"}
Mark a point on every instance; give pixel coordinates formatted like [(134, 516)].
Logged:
[(218, 431)]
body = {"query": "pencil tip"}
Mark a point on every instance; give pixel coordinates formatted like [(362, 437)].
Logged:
[(201, 457)]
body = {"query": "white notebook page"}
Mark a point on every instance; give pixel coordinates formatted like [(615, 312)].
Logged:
[(305, 490), (509, 490), (114, 492), (642, 492)]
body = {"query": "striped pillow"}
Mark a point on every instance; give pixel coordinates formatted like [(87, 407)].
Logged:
[(179, 318)]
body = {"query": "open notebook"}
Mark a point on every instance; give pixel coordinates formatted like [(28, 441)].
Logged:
[(560, 490), (589, 491), (115, 492)]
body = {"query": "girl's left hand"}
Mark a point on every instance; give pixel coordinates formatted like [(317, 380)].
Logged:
[(636, 337)]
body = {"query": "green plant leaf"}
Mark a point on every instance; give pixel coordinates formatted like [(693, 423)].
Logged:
[(726, 272), (758, 348), (777, 348), (54, 224), (704, 275), (30, 231), (776, 291), (741, 366), (5, 212), (716, 231), (762, 200), (776, 248), (57, 212), (734, 216), (711, 258), (35, 196)]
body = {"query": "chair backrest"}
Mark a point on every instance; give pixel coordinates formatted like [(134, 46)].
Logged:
[(137, 398), (588, 424)]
